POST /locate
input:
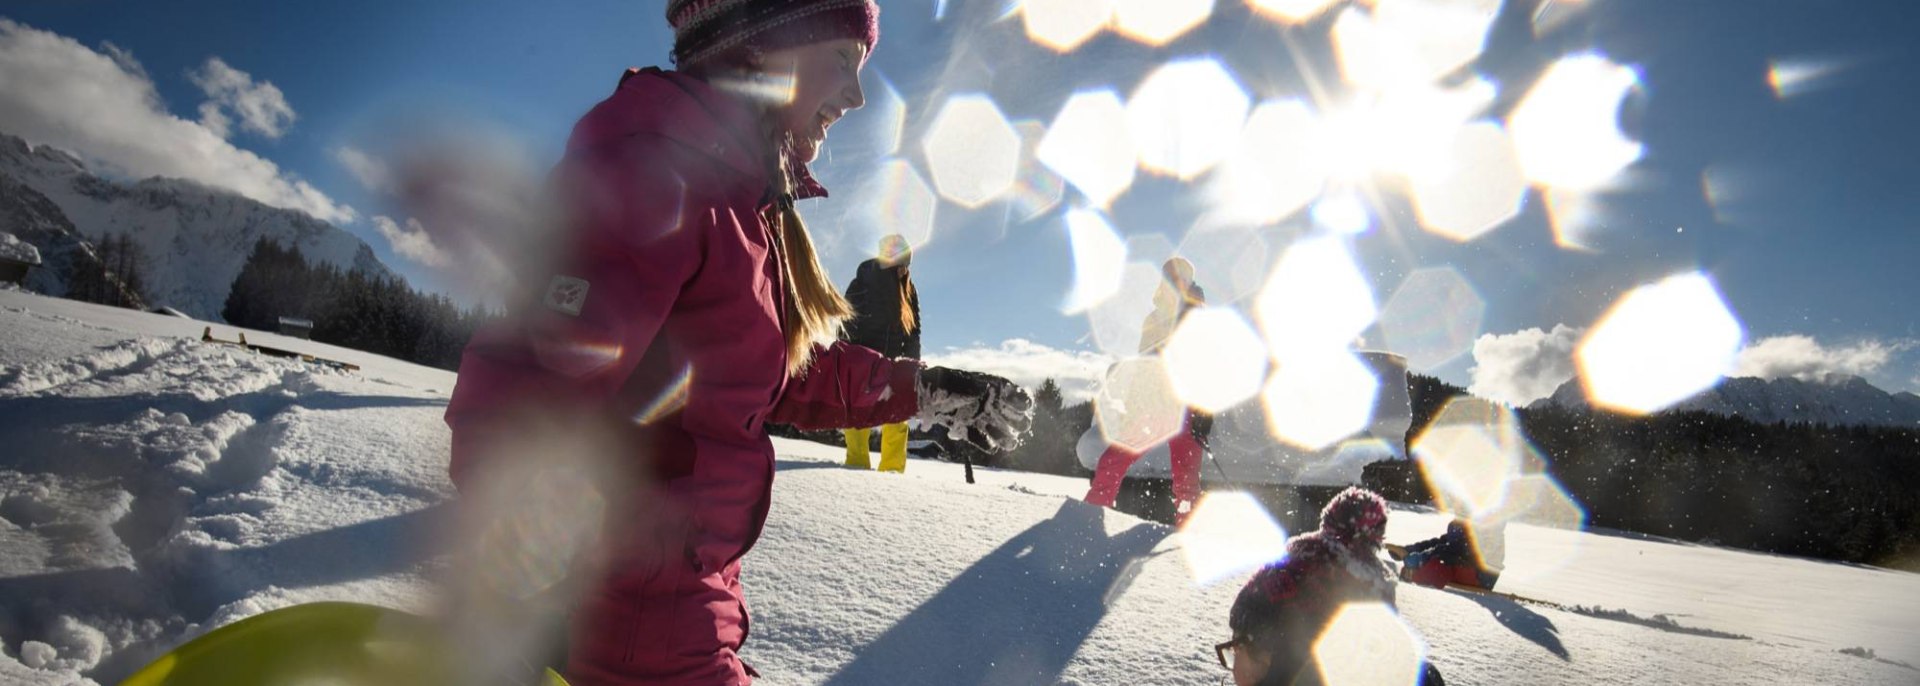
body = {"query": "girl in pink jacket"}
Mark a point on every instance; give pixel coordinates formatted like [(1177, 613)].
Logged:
[(687, 312)]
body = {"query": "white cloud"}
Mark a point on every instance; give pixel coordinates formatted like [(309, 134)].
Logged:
[(104, 107), (411, 242), (263, 109), (1028, 363), (372, 174), (1523, 366), (1802, 357)]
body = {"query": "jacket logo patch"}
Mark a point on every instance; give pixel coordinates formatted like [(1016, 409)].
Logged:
[(566, 295)]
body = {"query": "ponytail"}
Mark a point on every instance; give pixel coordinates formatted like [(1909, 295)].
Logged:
[(814, 310)]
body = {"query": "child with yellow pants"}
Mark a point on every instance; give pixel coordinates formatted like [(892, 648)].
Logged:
[(893, 448)]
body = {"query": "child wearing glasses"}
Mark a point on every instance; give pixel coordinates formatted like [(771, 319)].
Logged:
[(1284, 608)]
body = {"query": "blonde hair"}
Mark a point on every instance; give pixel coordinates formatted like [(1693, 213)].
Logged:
[(815, 310)]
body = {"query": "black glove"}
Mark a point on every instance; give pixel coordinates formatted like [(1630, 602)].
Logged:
[(985, 410)]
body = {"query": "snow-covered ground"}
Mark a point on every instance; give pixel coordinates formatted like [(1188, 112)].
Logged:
[(153, 487)]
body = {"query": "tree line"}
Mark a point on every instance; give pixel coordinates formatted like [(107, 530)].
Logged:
[(349, 308), (1847, 493), (107, 272)]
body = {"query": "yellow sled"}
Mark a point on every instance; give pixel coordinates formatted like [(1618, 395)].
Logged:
[(344, 644)]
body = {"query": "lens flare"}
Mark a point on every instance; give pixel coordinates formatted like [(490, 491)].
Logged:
[(1478, 187), (1367, 644), (1136, 404), (972, 152), (901, 204), (1343, 214), (1316, 299), (1277, 168), (766, 88), (1538, 502), (1186, 117), (1659, 345), (888, 111), (1566, 131), (1315, 400), (668, 400), (1099, 260), (1433, 317), (1794, 77), (1219, 251), (1290, 11), (1469, 455), (1158, 22), (1090, 146), (1576, 218), (1214, 359), (1410, 43), (1229, 533), (1062, 25), (1117, 321), (1037, 190)]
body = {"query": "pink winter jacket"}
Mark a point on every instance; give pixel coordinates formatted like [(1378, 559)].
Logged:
[(672, 280)]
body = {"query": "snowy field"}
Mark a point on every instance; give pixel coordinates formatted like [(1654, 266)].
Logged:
[(153, 487)]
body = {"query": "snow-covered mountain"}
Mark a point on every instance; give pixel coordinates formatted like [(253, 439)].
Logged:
[(1843, 400), (194, 238)]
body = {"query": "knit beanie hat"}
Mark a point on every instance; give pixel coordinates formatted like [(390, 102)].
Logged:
[(703, 29)]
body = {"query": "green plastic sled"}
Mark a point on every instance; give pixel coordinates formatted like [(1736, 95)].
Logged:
[(335, 643)]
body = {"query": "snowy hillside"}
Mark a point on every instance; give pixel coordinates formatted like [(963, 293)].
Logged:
[(195, 238), (153, 486), (1841, 401)]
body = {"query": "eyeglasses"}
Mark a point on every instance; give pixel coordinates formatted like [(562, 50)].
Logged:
[(1224, 653)]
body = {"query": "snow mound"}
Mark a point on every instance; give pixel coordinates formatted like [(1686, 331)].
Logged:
[(14, 249)]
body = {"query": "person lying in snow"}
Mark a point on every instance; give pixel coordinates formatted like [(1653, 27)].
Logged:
[(688, 312), (1465, 554), (1283, 609)]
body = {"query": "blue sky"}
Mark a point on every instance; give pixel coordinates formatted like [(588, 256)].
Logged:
[(1813, 232)]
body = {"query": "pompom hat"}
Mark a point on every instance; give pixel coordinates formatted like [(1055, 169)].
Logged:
[(704, 29)]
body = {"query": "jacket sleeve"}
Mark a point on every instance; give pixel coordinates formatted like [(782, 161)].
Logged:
[(632, 250), (850, 387)]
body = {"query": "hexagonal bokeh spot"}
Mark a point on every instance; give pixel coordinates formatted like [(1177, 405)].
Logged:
[(972, 152), (1218, 252), (1314, 401), (1566, 132), (1099, 260), (1229, 532), (1446, 35), (1136, 405), (1659, 345), (1090, 146), (1186, 116), (1342, 213), (1063, 25), (1117, 321), (1432, 317), (1277, 167), (1158, 22), (1291, 11), (1315, 299), (1367, 644), (1037, 190), (1477, 189), (896, 201), (1575, 217), (1469, 456), (1403, 43), (1215, 359), (1553, 520), (888, 112)]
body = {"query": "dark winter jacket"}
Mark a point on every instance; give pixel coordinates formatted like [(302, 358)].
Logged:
[(875, 295)]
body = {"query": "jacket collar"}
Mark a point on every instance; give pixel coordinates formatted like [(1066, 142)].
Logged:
[(693, 113)]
